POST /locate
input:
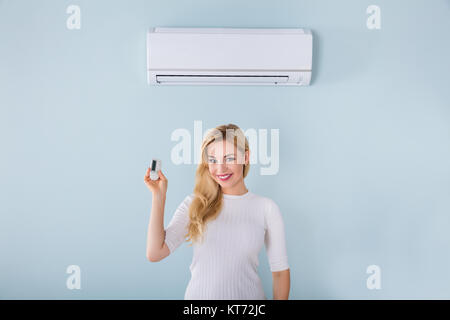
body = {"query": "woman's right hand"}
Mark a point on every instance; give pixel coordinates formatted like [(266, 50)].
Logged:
[(157, 187)]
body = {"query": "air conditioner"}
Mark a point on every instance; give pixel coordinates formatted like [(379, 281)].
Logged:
[(229, 56)]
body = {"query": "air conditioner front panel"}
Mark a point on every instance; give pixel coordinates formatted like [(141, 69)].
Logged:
[(229, 51)]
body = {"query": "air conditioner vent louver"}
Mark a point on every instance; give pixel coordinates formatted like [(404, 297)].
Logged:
[(220, 79)]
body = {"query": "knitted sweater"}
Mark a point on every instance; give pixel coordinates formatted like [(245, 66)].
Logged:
[(225, 265)]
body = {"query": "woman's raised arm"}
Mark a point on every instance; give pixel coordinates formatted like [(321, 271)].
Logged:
[(156, 248)]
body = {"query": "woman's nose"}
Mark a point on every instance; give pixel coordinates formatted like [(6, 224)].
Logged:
[(222, 166)]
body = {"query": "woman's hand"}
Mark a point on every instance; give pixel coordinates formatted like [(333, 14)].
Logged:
[(157, 187)]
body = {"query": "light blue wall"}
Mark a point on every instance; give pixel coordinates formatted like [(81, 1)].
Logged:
[(364, 151)]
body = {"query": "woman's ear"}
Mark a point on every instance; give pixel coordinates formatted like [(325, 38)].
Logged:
[(247, 157)]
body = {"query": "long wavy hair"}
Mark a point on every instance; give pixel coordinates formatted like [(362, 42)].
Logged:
[(208, 195)]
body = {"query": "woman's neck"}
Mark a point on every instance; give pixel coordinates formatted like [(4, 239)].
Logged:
[(236, 190)]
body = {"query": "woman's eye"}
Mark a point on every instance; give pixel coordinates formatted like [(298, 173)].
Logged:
[(215, 161)]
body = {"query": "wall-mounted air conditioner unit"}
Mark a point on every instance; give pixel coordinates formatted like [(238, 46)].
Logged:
[(229, 56)]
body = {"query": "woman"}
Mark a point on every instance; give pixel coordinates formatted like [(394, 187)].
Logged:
[(227, 224)]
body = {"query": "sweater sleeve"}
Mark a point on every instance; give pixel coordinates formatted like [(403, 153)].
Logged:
[(177, 228), (274, 238)]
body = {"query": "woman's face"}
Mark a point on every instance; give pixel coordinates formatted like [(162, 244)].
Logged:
[(226, 163)]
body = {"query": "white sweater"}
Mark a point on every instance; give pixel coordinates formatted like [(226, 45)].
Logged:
[(224, 266)]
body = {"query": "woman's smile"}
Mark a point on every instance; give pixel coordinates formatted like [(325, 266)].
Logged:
[(224, 177)]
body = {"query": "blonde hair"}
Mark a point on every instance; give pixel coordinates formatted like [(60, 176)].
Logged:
[(208, 199)]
